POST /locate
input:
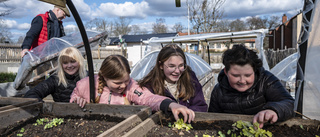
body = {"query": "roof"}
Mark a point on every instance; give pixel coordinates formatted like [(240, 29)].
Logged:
[(139, 38)]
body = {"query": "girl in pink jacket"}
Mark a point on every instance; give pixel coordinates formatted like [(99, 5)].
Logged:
[(114, 86)]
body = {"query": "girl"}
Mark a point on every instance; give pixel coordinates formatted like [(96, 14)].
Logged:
[(173, 78), (114, 86), (61, 84)]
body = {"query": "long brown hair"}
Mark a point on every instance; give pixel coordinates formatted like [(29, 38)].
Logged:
[(156, 76), (113, 67)]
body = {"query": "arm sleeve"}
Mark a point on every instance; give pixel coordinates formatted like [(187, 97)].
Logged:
[(81, 90), (214, 103), (279, 100), (43, 89), (142, 96), (198, 102), (34, 31)]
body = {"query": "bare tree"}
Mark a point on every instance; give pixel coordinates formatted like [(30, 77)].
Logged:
[(205, 14), (237, 25), (100, 25), (273, 22), (135, 29), (256, 23), (5, 34), (20, 39), (159, 26), (222, 26), (121, 26), (178, 27)]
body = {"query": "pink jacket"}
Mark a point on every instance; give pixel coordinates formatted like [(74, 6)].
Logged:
[(133, 92)]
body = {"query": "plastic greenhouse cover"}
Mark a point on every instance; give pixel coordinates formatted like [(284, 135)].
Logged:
[(144, 66), (48, 51), (286, 69)]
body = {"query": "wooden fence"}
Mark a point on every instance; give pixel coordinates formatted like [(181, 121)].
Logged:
[(275, 56), (11, 52)]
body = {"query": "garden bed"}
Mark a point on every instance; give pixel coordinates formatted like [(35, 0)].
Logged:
[(94, 120), (12, 102), (212, 123)]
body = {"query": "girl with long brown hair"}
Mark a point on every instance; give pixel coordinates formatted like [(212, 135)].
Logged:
[(173, 78)]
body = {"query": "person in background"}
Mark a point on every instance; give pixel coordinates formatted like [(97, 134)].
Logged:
[(114, 86), (70, 69), (245, 87), (173, 78), (44, 27)]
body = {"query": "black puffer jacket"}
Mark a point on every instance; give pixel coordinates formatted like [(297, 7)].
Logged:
[(50, 86), (267, 92)]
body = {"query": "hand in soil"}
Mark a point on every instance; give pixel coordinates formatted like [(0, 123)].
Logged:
[(176, 109), (265, 116)]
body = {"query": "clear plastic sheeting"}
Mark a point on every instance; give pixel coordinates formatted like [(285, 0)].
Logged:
[(144, 66), (310, 36), (286, 69), (49, 51), (258, 35)]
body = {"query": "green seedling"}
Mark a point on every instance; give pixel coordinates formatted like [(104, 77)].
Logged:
[(179, 124), (54, 122), (21, 132), (248, 130), (41, 121)]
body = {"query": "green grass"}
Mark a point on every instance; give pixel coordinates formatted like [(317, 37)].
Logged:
[(7, 77)]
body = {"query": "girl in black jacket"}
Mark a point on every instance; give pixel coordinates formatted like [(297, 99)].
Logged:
[(246, 88), (60, 85)]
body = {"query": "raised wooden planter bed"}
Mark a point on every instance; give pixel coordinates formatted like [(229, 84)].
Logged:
[(211, 123), (12, 102), (132, 115)]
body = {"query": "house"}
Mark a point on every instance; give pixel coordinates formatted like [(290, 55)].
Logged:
[(286, 35), (134, 45)]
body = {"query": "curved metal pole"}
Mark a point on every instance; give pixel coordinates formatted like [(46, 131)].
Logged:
[(86, 46)]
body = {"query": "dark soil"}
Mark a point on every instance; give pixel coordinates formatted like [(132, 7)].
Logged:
[(212, 129), (86, 126)]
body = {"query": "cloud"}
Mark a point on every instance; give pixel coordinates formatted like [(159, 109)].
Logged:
[(24, 26), (242, 8), (11, 24), (127, 9)]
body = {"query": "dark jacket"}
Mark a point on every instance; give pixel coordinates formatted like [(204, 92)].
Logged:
[(35, 29), (195, 103), (50, 86), (267, 92)]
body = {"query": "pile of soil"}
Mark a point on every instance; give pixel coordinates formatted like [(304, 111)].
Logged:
[(86, 126), (212, 129)]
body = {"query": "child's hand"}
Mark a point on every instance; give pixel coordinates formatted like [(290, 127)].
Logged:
[(265, 116), (177, 109), (80, 101)]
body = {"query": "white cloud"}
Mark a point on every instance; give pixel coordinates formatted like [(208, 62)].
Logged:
[(127, 9), (242, 8), (24, 26), (9, 23)]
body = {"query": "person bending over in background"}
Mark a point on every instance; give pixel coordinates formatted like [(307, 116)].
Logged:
[(245, 87), (173, 78), (114, 86), (60, 85)]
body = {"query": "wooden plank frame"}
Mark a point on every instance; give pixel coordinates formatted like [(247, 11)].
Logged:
[(133, 114), (143, 128)]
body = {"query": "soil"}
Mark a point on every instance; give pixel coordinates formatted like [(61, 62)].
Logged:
[(86, 126), (212, 129)]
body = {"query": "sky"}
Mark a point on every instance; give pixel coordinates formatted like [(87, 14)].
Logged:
[(143, 12)]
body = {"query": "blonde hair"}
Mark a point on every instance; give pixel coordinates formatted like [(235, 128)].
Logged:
[(113, 67), (67, 55)]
